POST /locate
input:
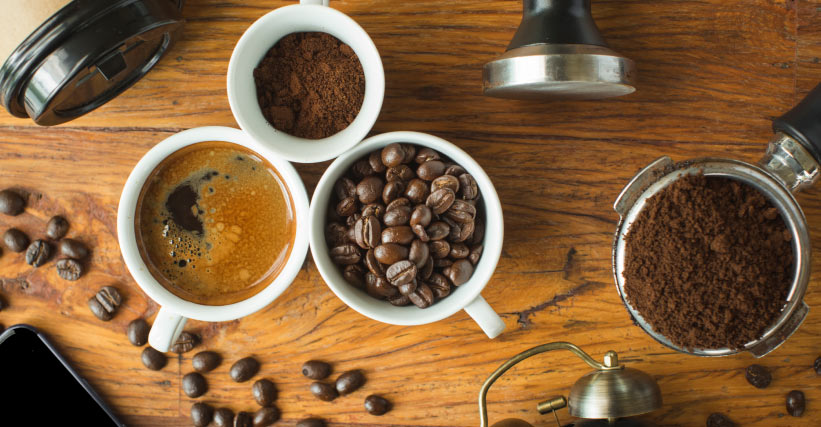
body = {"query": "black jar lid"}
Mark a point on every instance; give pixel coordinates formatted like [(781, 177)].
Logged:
[(86, 54)]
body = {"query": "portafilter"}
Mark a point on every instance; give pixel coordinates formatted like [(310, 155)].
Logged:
[(790, 164)]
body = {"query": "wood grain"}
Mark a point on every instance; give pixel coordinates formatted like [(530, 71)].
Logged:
[(712, 75)]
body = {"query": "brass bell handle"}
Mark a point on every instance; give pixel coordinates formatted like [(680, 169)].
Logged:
[(611, 363)]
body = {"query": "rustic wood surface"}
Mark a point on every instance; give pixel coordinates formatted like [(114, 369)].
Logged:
[(712, 75)]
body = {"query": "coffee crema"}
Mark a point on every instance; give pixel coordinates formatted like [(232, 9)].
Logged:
[(215, 223)]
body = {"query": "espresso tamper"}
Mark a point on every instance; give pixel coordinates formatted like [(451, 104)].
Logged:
[(558, 52)]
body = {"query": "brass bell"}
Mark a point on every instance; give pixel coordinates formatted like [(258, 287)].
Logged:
[(609, 393)]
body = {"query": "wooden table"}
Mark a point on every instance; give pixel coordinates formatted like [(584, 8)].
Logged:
[(712, 75)]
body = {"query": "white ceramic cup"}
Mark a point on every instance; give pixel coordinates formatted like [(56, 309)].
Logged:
[(174, 310), (467, 296), (264, 34)]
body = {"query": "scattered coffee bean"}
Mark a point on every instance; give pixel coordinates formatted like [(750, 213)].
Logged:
[(11, 203), (377, 405), (105, 303), (137, 332), (56, 228), (719, 420), (194, 385), (153, 359), (323, 391), (201, 414), (185, 343), (224, 417), (796, 403), (15, 240), (316, 370), (38, 253), (243, 419), (205, 361), (817, 366), (350, 381), (244, 369), (71, 248), (69, 269), (265, 392), (311, 422), (759, 376), (266, 416)]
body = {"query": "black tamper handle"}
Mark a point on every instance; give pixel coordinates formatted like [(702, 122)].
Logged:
[(557, 22), (803, 122)]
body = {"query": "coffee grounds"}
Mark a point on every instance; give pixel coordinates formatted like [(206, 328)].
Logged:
[(708, 263), (310, 85)]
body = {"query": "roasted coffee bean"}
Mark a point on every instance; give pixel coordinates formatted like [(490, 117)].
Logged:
[(440, 200), (137, 332), (408, 288), (354, 275), (336, 234), (422, 297), (397, 216), (390, 253), (417, 191), (418, 253), (439, 249), (71, 248), (439, 285), (425, 154), (201, 414), (205, 361), (400, 173), (346, 254), (478, 237), (316, 370), (368, 232), (796, 402), (350, 381), (244, 419), (758, 376), (185, 342), (400, 301), (375, 160), (266, 416), (460, 232), (265, 392), (344, 188), (377, 405), (469, 187), (351, 221), (421, 233), (373, 265), (442, 263), (817, 366), (244, 369), (311, 422), (369, 189), (11, 203), (56, 228), (438, 230), (460, 272), (445, 181), (324, 391), (421, 215), (393, 155), (38, 253), (15, 240), (719, 420), (362, 168), (153, 359), (459, 251), (69, 269), (346, 207), (401, 234), (410, 152), (455, 170), (427, 269), (376, 210), (398, 203), (475, 254), (392, 191), (105, 302), (431, 170), (194, 385), (379, 287), (401, 272), (224, 417), (461, 212)]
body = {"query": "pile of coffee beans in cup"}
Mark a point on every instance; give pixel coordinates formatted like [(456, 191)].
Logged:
[(405, 225)]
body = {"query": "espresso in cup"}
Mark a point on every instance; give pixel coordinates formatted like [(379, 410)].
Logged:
[(214, 223)]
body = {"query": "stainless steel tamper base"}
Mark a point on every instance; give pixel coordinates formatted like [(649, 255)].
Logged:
[(568, 71)]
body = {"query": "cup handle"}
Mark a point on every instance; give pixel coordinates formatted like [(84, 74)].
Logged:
[(319, 2), (166, 329), (483, 314)]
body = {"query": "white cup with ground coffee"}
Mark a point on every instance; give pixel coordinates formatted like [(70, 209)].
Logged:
[(212, 226), (306, 81)]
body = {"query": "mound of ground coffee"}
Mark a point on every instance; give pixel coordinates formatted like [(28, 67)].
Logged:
[(310, 85), (708, 263)]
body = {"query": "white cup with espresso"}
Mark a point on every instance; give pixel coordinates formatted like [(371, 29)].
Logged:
[(178, 305)]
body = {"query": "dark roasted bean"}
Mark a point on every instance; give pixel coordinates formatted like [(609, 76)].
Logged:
[(445, 181), (375, 210), (346, 254), (323, 391), (397, 216), (350, 381), (377, 405), (401, 234), (185, 342), (265, 392), (401, 272), (417, 191), (71, 248), (459, 251), (393, 155), (369, 189), (422, 297), (427, 269), (351, 220), (266, 416), (439, 285), (244, 369), (11, 203), (758, 376), (153, 359), (354, 275), (454, 170), (717, 419), (410, 152), (375, 160), (399, 173), (368, 232), (15, 240), (440, 200), (400, 301), (194, 385), (460, 272), (105, 302), (344, 188), (69, 269), (137, 332), (316, 370), (421, 215), (408, 288), (469, 188), (418, 253), (311, 422), (243, 419), (346, 207), (431, 170), (475, 254), (373, 264), (421, 233), (461, 212), (57, 227), (478, 237), (38, 253), (398, 203), (438, 230), (335, 234), (425, 154), (224, 417), (201, 414), (817, 366), (442, 263), (461, 232), (390, 253), (379, 287), (205, 361), (362, 168), (796, 402), (392, 191)]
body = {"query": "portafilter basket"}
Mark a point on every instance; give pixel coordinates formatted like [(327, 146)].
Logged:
[(790, 164)]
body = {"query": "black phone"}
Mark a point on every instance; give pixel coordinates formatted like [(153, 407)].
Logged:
[(39, 382)]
